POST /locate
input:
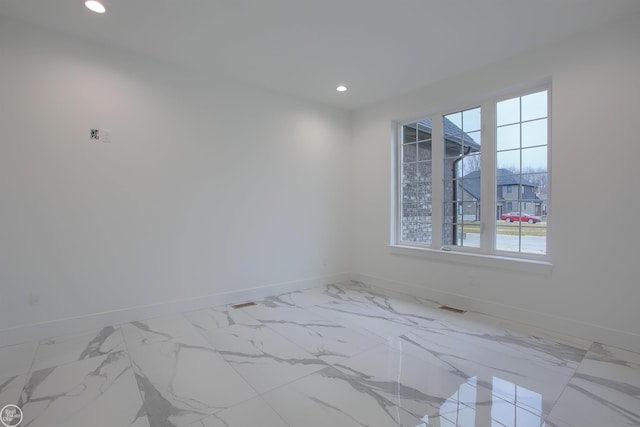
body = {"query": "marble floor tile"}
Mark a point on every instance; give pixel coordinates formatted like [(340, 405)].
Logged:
[(337, 355), (183, 383), (100, 391), (407, 382), (254, 412), (300, 299), (542, 367), (606, 386), (17, 359), (10, 389), (175, 328), (210, 319), (377, 321), (263, 357), (61, 350), (495, 326), (330, 398), (324, 339)]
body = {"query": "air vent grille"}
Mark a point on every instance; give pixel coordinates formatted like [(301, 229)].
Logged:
[(453, 309), (244, 304)]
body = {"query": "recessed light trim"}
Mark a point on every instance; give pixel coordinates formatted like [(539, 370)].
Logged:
[(341, 88), (95, 6)]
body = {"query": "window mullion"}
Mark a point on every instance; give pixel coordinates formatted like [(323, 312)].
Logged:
[(437, 176), (396, 193), (488, 179)]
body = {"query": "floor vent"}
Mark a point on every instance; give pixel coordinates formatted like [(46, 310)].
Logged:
[(244, 304), (455, 310)]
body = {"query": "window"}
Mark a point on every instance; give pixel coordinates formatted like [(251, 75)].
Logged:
[(415, 224), (461, 152), (485, 168), (521, 158)]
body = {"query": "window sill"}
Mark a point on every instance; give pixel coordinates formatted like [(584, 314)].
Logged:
[(475, 259)]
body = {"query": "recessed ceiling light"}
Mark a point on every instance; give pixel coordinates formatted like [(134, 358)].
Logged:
[(95, 6), (341, 88)]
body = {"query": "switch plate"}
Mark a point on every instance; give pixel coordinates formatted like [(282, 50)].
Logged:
[(105, 135), (34, 298)]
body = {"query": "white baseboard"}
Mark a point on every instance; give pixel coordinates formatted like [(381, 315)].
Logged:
[(73, 325), (613, 337)]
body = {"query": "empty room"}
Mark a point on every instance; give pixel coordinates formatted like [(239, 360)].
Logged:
[(285, 213)]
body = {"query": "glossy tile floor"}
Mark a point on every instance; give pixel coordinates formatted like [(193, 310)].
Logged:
[(341, 355)]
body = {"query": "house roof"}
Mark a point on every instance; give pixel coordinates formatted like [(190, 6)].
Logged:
[(454, 137)]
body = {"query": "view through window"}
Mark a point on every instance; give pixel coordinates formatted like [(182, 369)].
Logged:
[(512, 217)]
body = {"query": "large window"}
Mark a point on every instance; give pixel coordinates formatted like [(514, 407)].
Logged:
[(415, 159), (521, 162), (485, 168), (462, 172)]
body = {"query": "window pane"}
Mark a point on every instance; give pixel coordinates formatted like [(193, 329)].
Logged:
[(470, 189), (409, 153), (424, 130), (509, 161), (508, 137), (409, 230), (424, 197), (471, 225), (536, 180), (534, 106), (423, 230), (534, 159), (471, 164), (472, 141), (458, 166), (508, 111), (424, 150), (455, 119), (424, 172), (533, 235), (409, 193), (534, 133), (410, 211), (453, 147), (409, 133), (471, 120), (409, 173), (449, 194)]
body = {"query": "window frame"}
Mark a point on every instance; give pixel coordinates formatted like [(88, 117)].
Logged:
[(486, 254)]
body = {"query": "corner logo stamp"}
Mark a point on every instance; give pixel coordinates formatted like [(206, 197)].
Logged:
[(11, 416)]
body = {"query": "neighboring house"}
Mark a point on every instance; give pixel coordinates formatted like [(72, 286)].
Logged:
[(509, 190)]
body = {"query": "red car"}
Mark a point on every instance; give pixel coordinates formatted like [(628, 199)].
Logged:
[(516, 216)]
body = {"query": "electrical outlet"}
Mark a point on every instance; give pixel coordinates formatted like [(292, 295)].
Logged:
[(34, 298)]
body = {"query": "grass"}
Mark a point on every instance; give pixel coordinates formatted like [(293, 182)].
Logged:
[(510, 228)]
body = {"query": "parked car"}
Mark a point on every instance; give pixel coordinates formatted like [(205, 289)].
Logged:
[(516, 216)]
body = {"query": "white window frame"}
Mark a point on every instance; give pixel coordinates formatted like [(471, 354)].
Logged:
[(486, 255)]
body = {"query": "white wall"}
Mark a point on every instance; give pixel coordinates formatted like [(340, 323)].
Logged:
[(209, 187), (594, 288)]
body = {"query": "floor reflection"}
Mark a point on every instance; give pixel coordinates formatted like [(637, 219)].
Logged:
[(510, 405)]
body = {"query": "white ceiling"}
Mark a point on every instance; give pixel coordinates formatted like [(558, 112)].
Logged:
[(378, 48)]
